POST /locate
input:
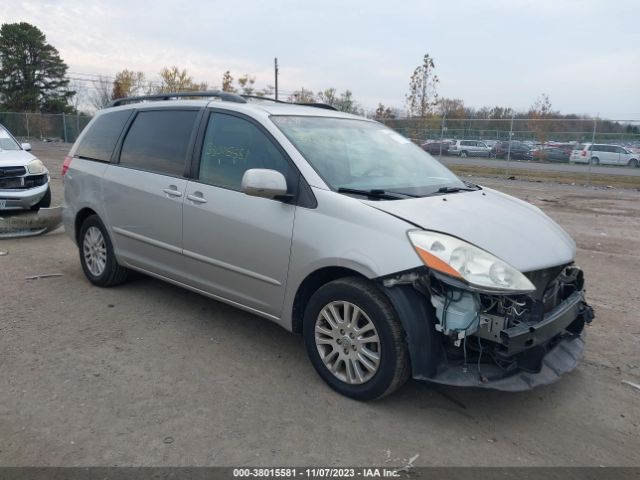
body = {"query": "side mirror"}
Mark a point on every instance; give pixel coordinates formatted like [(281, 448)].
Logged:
[(26, 146), (262, 182)]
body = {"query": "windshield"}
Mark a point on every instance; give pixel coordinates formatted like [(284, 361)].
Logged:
[(6, 141), (358, 154)]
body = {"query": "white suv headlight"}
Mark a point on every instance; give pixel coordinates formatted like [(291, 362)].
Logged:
[(466, 262), (36, 167)]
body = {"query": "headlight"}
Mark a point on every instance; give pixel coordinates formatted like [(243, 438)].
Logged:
[(36, 167), (466, 262)]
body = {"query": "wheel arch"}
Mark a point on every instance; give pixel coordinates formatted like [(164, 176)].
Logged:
[(310, 285), (81, 216)]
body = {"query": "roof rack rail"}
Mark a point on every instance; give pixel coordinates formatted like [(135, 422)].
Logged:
[(326, 106), (224, 96), (258, 97)]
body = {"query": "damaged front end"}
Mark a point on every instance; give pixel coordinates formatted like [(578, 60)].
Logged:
[(510, 341)]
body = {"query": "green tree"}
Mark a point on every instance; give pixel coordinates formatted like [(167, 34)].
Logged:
[(32, 74), (423, 96)]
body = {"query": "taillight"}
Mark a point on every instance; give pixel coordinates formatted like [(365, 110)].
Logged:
[(584, 153), (66, 164)]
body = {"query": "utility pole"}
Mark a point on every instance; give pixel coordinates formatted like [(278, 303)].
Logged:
[(275, 66)]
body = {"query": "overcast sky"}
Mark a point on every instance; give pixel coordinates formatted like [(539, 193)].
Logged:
[(584, 54)]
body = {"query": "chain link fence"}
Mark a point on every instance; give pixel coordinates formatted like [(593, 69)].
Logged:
[(539, 149), (43, 126)]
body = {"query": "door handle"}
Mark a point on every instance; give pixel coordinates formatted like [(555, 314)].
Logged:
[(197, 197), (173, 192)]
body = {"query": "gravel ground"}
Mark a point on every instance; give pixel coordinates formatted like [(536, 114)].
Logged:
[(150, 374)]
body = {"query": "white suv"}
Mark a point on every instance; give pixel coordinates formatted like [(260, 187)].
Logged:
[(467, 148), (605, 154)]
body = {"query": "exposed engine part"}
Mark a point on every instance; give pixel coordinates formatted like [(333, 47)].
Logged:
[(457, 312), (405, 278)]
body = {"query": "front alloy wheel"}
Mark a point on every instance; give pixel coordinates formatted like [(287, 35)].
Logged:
[(347, 342), (355, 339)]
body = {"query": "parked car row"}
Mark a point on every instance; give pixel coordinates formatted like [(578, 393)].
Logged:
[(596, 154)]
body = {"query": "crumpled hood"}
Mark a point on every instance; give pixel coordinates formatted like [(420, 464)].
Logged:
[(15, 158), (511, 229)]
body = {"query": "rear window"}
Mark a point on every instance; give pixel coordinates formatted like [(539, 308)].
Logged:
[(158, 140), (101, 138)]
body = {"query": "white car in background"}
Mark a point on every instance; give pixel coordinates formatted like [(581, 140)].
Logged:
[(604, 154), (24, 180)]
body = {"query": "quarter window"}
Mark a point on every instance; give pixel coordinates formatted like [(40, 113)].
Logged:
[(232, 146), (158, 141), (100, 140)]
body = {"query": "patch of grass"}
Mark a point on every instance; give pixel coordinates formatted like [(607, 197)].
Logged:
[(616, 181)]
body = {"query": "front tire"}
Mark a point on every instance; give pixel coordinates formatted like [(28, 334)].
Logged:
[(96, 255), (633, 163), (355, 340)]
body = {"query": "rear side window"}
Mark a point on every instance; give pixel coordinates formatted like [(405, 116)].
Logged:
[(101, 138), (158, 141)]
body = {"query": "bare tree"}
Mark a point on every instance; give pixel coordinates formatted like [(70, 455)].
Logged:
[(302, 96), (101, 94), (227, 82), (246, 83), (422, 96)]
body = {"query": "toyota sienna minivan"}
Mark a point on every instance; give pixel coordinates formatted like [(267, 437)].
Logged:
[(336, 228)]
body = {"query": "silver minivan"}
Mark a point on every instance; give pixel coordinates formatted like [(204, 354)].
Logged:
[(334, 227)]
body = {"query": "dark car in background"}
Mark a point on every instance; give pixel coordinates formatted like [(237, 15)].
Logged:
[(436, 148), (552, 154), (517, 151)]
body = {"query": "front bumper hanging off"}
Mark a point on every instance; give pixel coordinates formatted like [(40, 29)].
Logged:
[(539, 353), (26, 224)]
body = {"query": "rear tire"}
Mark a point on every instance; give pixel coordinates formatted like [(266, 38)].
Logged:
[(595, 161), (45, 202), (96, 255), (361, 354), (463, 154)]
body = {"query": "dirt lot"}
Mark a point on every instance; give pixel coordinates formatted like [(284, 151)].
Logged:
[(149, 374)]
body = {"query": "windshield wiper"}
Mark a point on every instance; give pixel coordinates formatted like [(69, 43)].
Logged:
[(455, 189), (377, 193)]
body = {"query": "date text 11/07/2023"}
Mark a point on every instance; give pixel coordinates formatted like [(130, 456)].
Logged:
[(362, 472)]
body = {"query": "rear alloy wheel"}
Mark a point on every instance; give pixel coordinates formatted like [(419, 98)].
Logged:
[(463, 154), (96, 255), (633, 163), (355, 340), (595, 161)]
